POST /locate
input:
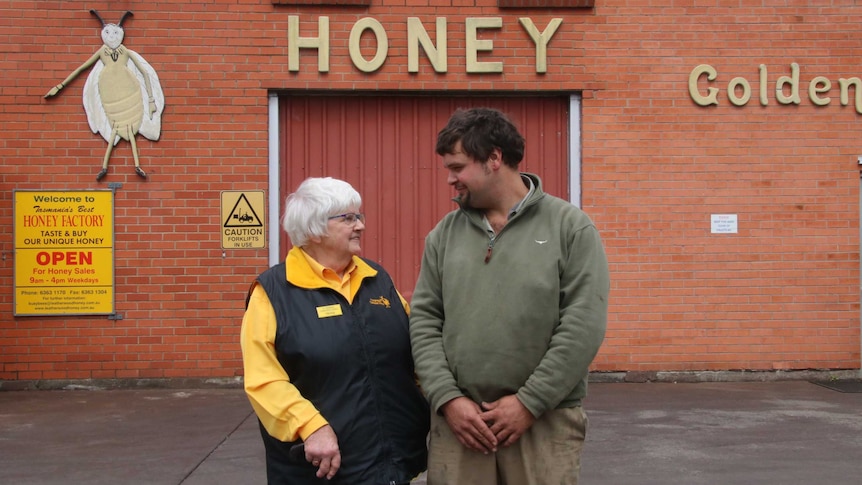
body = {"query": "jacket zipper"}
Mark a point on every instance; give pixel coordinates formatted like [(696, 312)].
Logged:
[(490, 248)]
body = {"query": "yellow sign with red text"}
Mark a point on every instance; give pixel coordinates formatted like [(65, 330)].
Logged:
[(64, 252)]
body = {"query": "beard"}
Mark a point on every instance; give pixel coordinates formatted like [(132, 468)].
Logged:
[(473, 200)]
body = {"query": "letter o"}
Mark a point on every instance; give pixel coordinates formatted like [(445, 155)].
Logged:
[(731, 91), (382, 44)]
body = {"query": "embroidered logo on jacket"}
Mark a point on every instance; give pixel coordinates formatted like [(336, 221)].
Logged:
[(382, 301)]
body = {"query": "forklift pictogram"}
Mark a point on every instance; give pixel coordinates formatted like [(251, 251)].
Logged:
[(242, 216)]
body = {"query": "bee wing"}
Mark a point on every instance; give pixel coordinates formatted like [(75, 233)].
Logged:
[(151, 127), (96, 115)]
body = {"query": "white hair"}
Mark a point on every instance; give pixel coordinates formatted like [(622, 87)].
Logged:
[(307, 211)]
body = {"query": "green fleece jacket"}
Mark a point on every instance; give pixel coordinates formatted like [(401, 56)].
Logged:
[(529, 321)]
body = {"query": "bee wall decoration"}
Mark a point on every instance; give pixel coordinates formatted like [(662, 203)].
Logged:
[(122, 95)]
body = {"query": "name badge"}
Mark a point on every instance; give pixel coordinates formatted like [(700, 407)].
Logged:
[(329, 311)]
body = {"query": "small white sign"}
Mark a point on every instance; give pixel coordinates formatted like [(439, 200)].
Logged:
[(724, 224)]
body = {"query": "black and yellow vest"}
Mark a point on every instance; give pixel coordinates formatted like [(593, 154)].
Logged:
[(353, 362)]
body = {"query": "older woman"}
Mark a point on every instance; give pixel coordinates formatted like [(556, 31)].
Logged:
[(326, 353)]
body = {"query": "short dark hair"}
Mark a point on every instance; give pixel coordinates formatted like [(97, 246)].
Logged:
[(480, 131)]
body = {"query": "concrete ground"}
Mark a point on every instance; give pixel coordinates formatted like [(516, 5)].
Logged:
[(718, 433)]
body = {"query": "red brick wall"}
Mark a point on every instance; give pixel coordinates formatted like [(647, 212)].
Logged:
[(783, 293)]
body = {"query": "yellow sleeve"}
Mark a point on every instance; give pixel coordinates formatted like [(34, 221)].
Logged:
[(404, 303), (286, 415)]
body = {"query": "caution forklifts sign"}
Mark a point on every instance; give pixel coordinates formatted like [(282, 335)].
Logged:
[(242, 215)]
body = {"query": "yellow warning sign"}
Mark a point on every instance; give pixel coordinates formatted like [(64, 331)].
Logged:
[(242, 215)]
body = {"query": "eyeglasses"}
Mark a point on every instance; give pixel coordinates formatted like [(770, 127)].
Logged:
[(350, 217)]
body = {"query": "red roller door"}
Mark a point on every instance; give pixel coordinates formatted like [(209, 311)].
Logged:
[(383, 145)]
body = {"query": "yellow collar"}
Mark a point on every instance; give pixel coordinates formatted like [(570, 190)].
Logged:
[(305, 272)]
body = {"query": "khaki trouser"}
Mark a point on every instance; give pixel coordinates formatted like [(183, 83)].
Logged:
[(549, 453)]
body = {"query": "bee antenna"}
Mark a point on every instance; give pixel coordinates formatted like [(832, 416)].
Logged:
[(123, 19), (97, 16)]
